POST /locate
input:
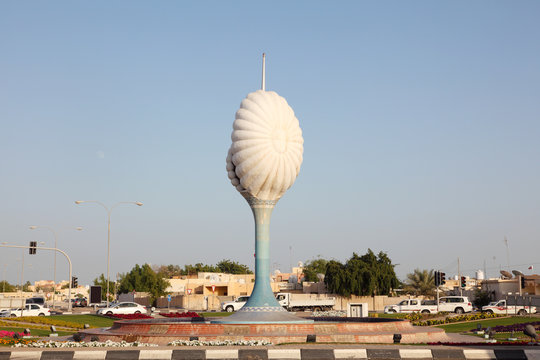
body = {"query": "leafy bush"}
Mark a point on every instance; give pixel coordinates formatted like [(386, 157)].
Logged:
[(481, 298)]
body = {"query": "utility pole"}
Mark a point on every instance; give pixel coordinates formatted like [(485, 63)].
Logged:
[(459, 277), (116, 286), (507, 253), (22, 276)]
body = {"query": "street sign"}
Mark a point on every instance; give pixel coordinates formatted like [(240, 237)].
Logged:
[(189, 291), (169, 298), (48, 295), (213, 288)]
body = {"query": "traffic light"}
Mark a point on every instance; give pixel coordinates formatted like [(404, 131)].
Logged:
[(463, 282), (523, 282), (32, 249), (442, 277), (437, 278), (74, 282)]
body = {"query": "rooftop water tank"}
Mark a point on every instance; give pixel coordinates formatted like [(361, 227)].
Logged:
[(480, 275)]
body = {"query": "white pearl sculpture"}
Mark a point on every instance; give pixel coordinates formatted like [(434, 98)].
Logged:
[(267, 146)]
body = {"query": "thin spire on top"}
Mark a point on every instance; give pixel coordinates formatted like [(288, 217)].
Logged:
[(263, 85)]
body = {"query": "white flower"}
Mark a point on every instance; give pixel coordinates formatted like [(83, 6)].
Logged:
[(219, 343), (74, 344)]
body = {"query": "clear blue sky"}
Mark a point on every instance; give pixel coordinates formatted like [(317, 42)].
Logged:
[(421, 122)]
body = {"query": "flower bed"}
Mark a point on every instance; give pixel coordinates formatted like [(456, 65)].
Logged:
[(514, 327), (219, 343), (130, 316), (454, 319), (499, 343), (331, 313), (109, 343), (9, 341), (46, 321), (4, 333), (180, 315), (74, 344)]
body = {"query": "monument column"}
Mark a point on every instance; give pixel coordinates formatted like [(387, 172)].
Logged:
[(263, 162)]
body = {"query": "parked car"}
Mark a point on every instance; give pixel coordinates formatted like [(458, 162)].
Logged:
[(456, 304), (500, 307), (80, 302), (410, 306), (29, 310), (36, 300), (123, 308), (235, 305)]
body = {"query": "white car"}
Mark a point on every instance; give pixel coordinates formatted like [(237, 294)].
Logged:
[(456, 304), (123, 308), (29, 310), (234, 305)]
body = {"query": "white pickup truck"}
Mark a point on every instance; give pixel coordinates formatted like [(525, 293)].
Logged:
[(456, 304), (235, 305), (298, 302), (410, 306), (500, 307)]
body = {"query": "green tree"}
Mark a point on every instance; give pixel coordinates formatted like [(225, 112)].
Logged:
[(336, 280), (144, 279), (224, 266), (7, 286), (26, 286), (102, 281), (197, 268), (420, 282), (368, 274), (314, 267), (481, 298), (232, 267), (168, 271)]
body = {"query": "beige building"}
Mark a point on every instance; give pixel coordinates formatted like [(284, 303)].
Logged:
[(499, 288), (211, 284)]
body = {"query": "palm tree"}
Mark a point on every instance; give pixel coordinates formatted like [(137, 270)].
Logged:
[(420, 282)]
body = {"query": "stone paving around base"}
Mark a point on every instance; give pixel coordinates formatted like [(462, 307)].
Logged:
[(286, 353)]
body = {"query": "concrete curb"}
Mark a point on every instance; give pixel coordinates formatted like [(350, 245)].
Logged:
[(274, 354)]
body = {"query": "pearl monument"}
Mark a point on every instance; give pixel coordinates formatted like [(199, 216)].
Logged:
[(263, 162)]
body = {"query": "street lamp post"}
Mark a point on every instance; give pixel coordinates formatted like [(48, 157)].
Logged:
[(109, 211), (33, 227), (22, 276)]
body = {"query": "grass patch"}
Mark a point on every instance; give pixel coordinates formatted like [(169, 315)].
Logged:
[(471, 325), (70, 321), (92, 320), (36, 332), (215, 314)]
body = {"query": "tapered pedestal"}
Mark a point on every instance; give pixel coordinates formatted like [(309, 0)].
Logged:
[(262, 306)]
